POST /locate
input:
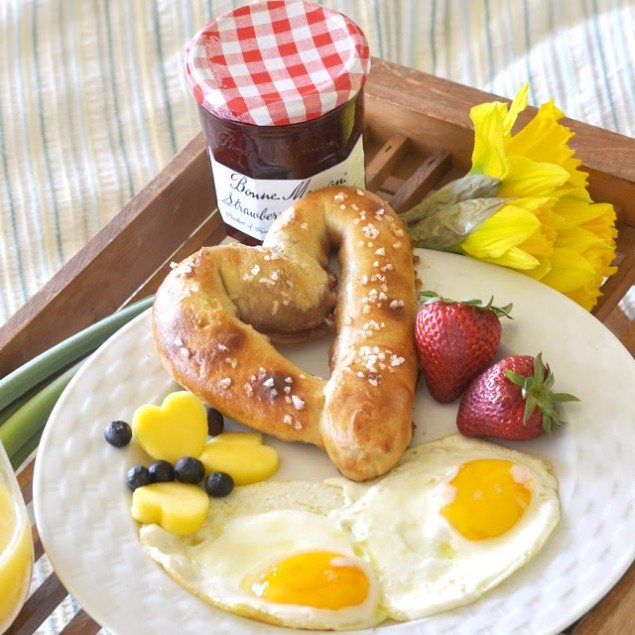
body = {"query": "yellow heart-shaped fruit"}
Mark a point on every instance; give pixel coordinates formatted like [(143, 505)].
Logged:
[(179, 508), (242, 455), (173, 430)]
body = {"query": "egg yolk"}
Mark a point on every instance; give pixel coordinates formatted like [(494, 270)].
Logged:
[(488, 500), (320, 579)]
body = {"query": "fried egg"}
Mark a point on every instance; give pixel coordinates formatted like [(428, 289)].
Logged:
[(270, 551), (453, 520)]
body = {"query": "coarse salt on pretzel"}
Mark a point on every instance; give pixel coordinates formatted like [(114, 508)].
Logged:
[(207, 310)]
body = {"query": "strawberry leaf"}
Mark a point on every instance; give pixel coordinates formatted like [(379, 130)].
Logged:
[(536, 391), (539, 372), (549, 381), (562, 397), (547, 424), (429, 294), (530, 406), (428, 297), (515, 378)]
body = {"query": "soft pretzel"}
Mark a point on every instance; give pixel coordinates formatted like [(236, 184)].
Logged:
[(209, 310)]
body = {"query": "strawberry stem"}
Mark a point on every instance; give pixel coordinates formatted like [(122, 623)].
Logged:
[(536, 391), (428, 297)]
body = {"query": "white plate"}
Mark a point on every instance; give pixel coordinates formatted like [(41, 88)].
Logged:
[(82, 505)]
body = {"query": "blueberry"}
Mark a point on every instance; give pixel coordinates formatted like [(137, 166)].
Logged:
[(189, 470), (138, 476), (219, 484), (118, 433), (215, 422), (161, 472)]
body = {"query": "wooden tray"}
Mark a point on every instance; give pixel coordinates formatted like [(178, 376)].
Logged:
[(418, 135)]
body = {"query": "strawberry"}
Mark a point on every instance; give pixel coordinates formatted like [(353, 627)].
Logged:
[(455, 342), (511, 400)]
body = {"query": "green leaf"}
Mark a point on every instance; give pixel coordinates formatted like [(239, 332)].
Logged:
[(15, 405), (469, 187), (530, 406), (549, 379), (562, 397), (546, 424), (515, 378), (503, 311), (529, 383), (447, 226), (537, 392), (429, 296), (548, 410), (539, 371)]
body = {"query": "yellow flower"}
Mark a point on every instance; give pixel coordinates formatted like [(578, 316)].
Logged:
[(548, 228)]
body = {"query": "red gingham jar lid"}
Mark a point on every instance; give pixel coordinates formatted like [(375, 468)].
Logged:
[(276, 63)]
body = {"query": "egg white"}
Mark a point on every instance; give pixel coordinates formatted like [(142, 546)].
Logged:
[(423, 564), (393, 528), (256, 526)]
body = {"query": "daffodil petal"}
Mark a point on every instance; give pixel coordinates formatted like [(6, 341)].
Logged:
[(575, 212), (579, 239), (505, 229), (586, 296), (514, 258), (519, 103), (550, 228), (543, 139), (540, 270), (535, 203), (531, 178), (488, 155), (569, 270), (539, 244)]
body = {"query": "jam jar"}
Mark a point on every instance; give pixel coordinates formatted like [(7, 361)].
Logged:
[(279, 86)]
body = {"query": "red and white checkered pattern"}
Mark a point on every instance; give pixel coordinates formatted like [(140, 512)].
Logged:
[(276, 63)]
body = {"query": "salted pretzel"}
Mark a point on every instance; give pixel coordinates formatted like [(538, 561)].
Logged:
[(214, 313)]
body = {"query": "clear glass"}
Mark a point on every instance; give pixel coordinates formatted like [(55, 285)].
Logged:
[(16, 545)]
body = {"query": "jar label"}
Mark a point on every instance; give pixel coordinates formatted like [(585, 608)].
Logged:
[(251, 205)]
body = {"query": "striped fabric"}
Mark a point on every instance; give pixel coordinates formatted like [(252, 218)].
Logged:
[(93, 101)]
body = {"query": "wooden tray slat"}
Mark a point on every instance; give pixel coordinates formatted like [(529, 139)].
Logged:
[(209, 233), (383, 162), (25, 481), (423, 181), (434, 113), (43, 601), (418, 137), (38, 547), (614, 614), (97, 280), (614, 289), (81, 624), (429, 112)]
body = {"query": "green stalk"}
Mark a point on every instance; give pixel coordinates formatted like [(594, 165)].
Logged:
[(18, 403), (25, 451), (29, 420), (45, 365)]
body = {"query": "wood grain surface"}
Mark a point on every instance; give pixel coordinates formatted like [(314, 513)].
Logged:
[(101, 277), (418, 135), (416, 113), (434, 113)]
